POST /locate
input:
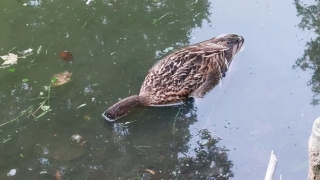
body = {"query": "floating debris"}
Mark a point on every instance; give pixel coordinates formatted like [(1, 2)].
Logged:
[(12, 172), (168, 49), (61, 78), (43, 172), (39, 49), (44, 161), (88, 2), (81, 106), (66, 55), (27, 51), (76, 137), (149, 171)]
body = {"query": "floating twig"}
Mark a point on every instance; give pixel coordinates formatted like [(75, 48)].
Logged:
[(21, 114), (156, 20)]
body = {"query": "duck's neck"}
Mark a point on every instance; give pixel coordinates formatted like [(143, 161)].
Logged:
[(123, 107)]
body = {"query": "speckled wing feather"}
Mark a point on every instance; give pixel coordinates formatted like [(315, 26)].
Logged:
[(175, 77)]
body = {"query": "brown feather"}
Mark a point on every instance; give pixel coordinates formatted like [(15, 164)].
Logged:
[(174, 78)]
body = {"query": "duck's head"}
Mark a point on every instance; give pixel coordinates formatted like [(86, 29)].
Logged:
[(232, 41), (122, 108)]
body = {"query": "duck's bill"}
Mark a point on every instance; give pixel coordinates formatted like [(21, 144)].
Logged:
[(106, 118)]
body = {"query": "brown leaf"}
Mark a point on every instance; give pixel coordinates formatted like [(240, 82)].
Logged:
[(62, 78), (58, 175), (66, 55)]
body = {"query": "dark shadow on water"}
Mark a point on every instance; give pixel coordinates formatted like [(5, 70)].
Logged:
[(162, 145), (311, 58)]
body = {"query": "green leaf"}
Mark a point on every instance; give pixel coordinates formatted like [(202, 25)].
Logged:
[(54, 80), (24, 80), (21, 155), (12, 70)]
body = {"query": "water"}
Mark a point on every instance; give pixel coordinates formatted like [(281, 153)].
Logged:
[(263, 103)]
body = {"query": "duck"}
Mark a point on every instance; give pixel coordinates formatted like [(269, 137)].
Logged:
[(191, 71)]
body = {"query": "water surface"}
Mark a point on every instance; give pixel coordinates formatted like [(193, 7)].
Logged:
[(263, 104)]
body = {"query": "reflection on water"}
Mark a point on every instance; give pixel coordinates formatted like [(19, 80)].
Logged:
[(311, 58)]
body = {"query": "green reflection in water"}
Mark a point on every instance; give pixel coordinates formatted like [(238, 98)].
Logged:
[(311, 58), (114, 43)]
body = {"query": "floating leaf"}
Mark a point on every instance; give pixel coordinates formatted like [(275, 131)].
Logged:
[(24, 80), (66, 55), (9, 59), (54, 80), (62, 78)]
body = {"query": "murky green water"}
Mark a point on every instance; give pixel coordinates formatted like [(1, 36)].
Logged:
[(263, 104)]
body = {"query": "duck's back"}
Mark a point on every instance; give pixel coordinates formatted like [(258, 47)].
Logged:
[(174, 78)]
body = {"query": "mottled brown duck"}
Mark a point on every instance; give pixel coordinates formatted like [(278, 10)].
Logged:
[(191, 71)]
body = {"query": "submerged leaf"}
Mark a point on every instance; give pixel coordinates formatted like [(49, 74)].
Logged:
[(58, 175), (66, 55), (61, 78), (86, 117), (12, 70)]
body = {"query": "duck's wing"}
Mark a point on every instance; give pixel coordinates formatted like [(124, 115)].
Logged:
[(179, 74)]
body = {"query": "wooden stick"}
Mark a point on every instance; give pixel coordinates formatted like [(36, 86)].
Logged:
[(314, 151), (271, 167)]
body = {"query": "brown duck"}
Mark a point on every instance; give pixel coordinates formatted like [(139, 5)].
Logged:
[(191, 71)]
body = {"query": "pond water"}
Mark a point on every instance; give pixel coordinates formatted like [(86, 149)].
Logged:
[(268, 100)]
